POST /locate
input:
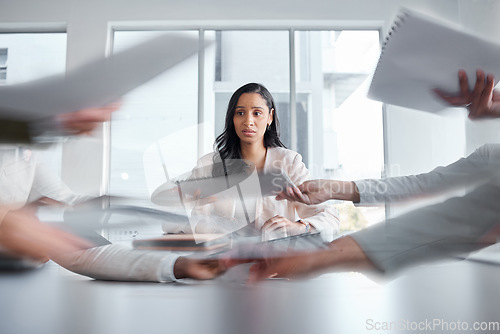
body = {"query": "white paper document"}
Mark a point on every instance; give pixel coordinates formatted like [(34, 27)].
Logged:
[(422, 53), (98, 82)]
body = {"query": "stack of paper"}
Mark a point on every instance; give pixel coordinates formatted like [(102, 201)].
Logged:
[(421, 54)]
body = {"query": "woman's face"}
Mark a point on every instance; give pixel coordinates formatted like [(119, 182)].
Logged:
[(251, 117)]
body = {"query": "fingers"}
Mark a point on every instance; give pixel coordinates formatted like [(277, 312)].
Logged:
[(452, 100), (202, 269), (275, 223), (463, 82), (294, 194), (300, 196), (281, 196), (287, 194), (457, 100), (465, 96), (482, 102), (197, 194), (259, 271), (228, 262), (477, 94), (485, 101), (485, 98), (211, 268)]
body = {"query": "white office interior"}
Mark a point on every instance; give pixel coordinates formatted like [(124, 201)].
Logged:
[(316, 57)]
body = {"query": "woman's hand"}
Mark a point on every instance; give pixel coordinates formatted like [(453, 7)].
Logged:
[(282, 226), (482, 102)]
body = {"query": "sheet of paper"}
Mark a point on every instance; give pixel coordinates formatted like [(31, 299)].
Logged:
[(422, 53), (98, 82)]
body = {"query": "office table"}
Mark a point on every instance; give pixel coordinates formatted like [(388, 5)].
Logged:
[(53, 300)]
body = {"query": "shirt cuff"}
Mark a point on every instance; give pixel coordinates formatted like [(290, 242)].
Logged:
[(166, 268), (366, 194)]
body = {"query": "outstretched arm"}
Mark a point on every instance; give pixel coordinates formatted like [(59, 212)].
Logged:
[(120, 263), (318, 191), (22, 234), (445, 230), (341, 255)]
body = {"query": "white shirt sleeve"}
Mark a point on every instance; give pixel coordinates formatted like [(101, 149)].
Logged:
[(120, 263), (454, 227), (479, 167)]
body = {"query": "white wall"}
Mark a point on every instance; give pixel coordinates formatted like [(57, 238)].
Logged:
[(481, 17), (415, 141)]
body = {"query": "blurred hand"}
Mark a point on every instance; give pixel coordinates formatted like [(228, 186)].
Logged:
[(319, 191), (292, 265), (482, 102), (23, 234), (85, 120), (201, 269), (343, 254)]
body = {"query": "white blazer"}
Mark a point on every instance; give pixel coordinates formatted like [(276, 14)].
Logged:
[(323, 217)]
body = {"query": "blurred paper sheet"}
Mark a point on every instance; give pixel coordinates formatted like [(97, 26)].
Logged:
[(97, 83), (421, 54)]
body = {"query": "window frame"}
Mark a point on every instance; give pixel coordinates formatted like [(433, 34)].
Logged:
[(251, 25)]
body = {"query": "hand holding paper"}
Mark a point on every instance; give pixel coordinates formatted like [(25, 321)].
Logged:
[(482, 102), (94, 85), (421, 54)]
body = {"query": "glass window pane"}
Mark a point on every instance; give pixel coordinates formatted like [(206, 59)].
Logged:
[(29, 56), (241, 57), (345, 140), (152, 116)]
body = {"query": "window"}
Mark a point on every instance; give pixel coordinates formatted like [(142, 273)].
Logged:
[(30, 56), (319, 81), (344, 138), (248, 56), (160, 113)]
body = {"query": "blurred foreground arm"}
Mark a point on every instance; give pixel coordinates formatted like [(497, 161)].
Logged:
[(446, 230), (22, 234), (80, 122), (85, 120), (476, 169), (318, 191), (343, 254), (120, 263)]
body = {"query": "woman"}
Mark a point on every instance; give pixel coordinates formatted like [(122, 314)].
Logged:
[(251, 133)]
